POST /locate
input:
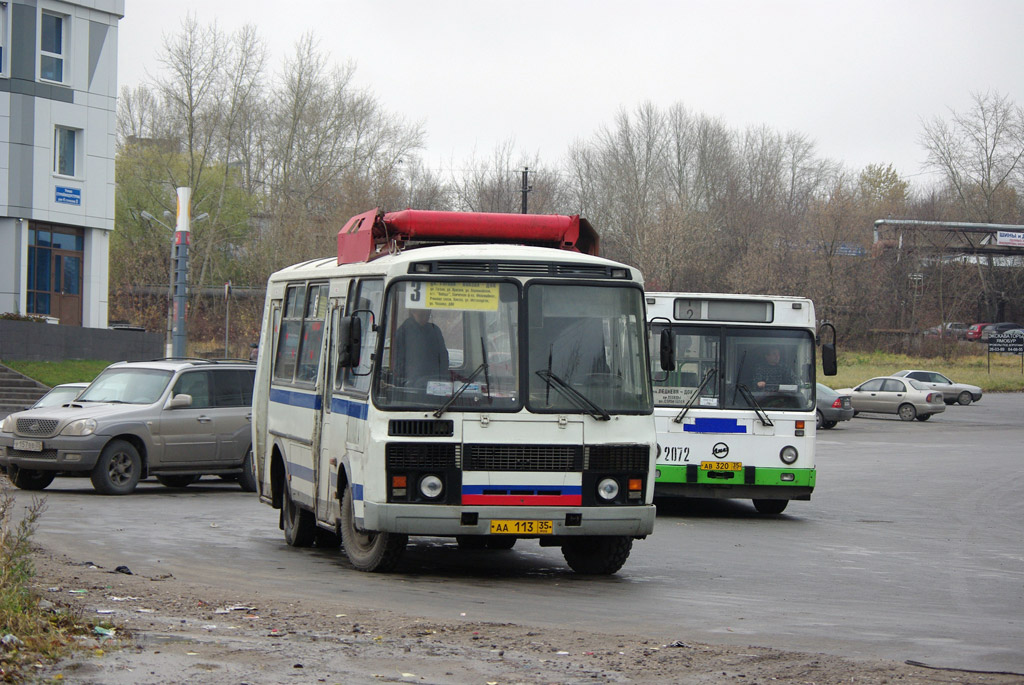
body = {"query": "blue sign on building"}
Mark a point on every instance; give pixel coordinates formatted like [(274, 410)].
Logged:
[(68, 196)]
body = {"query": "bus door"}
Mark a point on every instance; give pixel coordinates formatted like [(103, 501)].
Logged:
[(334, 421), (350, 403), (261, 395)]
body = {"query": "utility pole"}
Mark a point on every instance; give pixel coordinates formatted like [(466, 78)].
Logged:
[(179, 337), (227, 315), (526, 186)]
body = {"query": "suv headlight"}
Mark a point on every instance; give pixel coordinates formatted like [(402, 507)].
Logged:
[(80, 427), (8, 424)]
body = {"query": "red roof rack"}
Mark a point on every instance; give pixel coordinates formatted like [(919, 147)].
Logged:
[(369, 235)]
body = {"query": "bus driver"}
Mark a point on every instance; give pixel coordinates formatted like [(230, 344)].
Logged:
[(420, 351)]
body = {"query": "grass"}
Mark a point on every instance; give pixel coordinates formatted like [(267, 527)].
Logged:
[(994, 373), (55, 373), (991, 373), (32, 630)]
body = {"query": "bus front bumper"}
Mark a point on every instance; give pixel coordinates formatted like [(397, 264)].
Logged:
[(748, 483), (425, 519)]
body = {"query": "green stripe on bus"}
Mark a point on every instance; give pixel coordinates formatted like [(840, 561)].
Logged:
[(762, 476)]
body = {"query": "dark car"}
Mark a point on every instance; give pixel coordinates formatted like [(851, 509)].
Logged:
[(832, 407), (997, 328)]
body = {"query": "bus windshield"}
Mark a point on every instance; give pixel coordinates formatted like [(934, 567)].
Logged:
[(773, 368), (445, 338), (586, 349), (457, 345)]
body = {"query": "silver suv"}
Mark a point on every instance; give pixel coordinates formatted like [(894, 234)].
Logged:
[(175, 419)]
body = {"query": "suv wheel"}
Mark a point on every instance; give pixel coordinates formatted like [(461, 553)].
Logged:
[(247, 478), (118, 469)]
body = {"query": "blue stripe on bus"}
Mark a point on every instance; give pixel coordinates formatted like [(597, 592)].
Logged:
[(296, 399), (305, 473), (357, 410), (299, 471), (709, 425)]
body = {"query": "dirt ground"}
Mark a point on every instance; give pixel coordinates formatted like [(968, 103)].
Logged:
[(166, 631)]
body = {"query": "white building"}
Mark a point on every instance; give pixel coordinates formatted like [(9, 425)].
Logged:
[(58, 100)]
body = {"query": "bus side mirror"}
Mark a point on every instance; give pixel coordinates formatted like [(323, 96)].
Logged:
[(350, 342), (668, 355), (828, 359), (828, 352)]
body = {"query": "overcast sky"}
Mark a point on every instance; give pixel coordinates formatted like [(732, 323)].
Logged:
[(857, 76)]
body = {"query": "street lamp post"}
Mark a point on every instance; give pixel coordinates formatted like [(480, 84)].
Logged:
[(176, 322)]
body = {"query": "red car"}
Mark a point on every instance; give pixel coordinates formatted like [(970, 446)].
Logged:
[(974, 332)]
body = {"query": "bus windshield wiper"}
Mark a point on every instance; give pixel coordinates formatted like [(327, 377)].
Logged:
[(693, 398), (451, 400), (749, 397), (573, 395)]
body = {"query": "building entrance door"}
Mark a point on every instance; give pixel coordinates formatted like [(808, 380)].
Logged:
[(67, 287), (55, 261)]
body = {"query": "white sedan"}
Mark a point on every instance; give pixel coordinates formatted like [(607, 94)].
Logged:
[(961, 393), (909, 399)]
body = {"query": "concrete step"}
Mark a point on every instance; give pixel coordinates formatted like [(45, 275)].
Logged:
[(15, 396), (18, 392)]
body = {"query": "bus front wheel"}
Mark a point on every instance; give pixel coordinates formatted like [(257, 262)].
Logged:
[(368, 551), (597, 556)]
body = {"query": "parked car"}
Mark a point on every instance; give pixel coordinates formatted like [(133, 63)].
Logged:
[(907, 398), (953, 330), (974, 331), (831, 407), (173, 419), (961, 393), (998, 328), (60, 394)]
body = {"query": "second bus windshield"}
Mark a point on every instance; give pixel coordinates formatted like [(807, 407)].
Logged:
[(774, 367)]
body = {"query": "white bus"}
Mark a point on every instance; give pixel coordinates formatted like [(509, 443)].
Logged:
[(421, 384), (734, 396)]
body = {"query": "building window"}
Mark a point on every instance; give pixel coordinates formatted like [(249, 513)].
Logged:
[(3, 38), (52, 42), (64, 142)]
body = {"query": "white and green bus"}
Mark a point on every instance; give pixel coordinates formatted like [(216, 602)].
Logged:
[(482, 377), (734, 396)]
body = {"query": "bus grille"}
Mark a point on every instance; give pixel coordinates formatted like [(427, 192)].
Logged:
[(420, 455), (36, 427), (522, 458), (619, 458), (420, 428)]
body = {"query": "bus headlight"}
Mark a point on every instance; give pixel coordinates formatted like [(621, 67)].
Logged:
[(788, 454), (608, 489), (431, 487)]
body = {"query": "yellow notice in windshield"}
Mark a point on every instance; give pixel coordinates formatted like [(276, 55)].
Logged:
[(473, 296)]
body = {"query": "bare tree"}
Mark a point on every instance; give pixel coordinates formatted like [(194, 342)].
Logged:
[(980, 154)]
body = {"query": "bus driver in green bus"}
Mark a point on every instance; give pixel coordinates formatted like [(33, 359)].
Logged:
[(770, 371)]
